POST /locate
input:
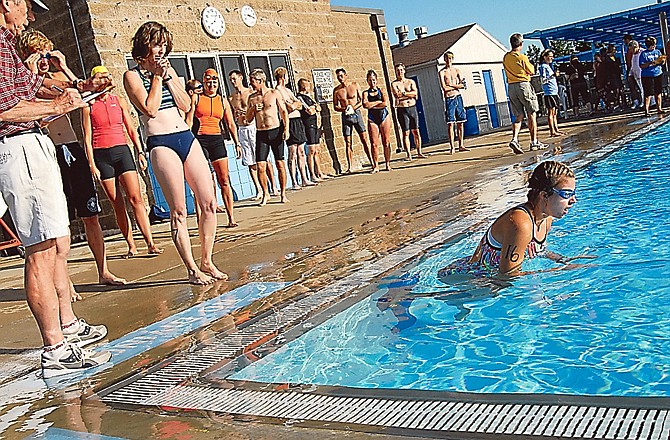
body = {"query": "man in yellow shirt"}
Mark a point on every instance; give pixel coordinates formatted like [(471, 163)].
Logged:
[(521, 94)]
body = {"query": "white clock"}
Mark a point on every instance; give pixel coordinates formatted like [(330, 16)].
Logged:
[(213, 22), (248, 15)]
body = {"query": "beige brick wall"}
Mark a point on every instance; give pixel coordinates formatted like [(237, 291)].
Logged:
[(313, 34)]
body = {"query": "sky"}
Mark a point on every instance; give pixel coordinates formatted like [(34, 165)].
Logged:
[(498, 17)]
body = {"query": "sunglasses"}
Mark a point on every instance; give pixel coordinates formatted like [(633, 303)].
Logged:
[(45, 55), (211, 77), (565, 193), (198, 87)]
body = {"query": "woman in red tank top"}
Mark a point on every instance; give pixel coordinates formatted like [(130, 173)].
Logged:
[(211, 110), (105, 123)]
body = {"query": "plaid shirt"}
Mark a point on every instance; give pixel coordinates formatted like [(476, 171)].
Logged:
[(17, 83)]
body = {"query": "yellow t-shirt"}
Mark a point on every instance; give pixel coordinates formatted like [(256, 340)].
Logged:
[(517, 67)]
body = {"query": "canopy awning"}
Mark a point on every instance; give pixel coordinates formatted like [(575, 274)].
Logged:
[(609, 29)]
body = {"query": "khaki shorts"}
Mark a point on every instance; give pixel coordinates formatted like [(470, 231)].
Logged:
[(523, 98), (31, 186)]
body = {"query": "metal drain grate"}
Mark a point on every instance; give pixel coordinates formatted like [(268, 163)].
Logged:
[(571, 421)]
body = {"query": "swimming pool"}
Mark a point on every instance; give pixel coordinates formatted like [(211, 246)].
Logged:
[(599, 330)]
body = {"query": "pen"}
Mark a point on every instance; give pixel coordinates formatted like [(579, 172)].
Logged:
[(58, 89)]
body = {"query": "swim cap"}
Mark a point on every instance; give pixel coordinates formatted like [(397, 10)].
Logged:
[(98, 69)]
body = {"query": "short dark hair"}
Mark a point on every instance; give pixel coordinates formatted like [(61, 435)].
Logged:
[(236, 72), (627, 37), (150, 33), (516, 40), (650, 41), (400, 65), (340, 69)]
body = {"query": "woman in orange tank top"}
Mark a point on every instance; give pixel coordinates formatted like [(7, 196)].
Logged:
[(211, 109), (111, 162)]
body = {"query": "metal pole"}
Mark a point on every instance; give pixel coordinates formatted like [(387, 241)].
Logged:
[(76, 38)]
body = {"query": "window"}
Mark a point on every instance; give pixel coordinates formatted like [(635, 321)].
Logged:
[(261, 62), (476, 78), (200, 64), (228, 64)]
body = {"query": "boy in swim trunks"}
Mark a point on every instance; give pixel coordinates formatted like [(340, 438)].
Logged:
[(348, 100), (405, 92), (267, 106), (451, 81)]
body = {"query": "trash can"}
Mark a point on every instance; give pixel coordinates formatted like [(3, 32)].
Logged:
[(471, 126)]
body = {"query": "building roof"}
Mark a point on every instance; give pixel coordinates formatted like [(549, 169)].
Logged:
[(608, 29), (429, 48)]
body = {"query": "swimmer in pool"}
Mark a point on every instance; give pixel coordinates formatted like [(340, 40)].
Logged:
[(521, 232)]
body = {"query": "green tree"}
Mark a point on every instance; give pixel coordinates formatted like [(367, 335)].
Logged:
[(559, 47)]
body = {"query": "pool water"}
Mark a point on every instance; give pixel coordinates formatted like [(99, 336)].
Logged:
[(602, 329)]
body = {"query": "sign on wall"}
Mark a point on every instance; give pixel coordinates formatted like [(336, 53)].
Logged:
[(323, 85)]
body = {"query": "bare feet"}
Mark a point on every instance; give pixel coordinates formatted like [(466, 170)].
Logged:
[(348, 171), (199, 278), (296, 188), (74, 295), (422, 156), (109, 279), (462, 149), (309, 183), (452, 150), (155, 250), (219, 210), (258, 197), (388, 166), (324, 177), (231, 225), (375, 170), (284, 199), (264, 201), (213, 272), (130, 254)]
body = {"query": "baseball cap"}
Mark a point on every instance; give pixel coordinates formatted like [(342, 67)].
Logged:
[(98, 69), (38, 6)]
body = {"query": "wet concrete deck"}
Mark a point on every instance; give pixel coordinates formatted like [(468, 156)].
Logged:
[(323, 234)]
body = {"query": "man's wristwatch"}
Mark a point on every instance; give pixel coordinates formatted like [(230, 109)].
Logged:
[(78, 84)]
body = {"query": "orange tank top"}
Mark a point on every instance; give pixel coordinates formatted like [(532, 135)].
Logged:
[(209, 112), (107, 123)]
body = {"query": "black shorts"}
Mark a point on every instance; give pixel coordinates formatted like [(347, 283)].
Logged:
[(551, 101), (408, 118), (312, 133), (296, 132), (213, 146), (579, 89), (114, 161), (78, 185), (652, 85), (267, 140)]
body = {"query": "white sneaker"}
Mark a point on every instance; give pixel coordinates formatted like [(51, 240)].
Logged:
[(537, 145), (515, 146), (86, 334), (73, 360)]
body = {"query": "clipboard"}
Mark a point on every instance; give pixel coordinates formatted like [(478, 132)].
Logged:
[(88, 98)]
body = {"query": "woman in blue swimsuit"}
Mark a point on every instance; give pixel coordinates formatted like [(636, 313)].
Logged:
[(154, 89), (521, 232), (375, 101)]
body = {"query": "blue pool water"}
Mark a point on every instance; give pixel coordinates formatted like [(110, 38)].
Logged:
[(598, 330)]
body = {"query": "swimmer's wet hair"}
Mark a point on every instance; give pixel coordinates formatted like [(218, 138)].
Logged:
[(150, 34), (546, 176), (371, 72), (258, 74)]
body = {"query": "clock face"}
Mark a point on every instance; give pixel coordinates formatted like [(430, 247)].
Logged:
[(213, 22), (248, 15)]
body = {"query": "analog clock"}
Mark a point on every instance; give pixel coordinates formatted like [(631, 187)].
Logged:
[(248, 15), (213, 22)]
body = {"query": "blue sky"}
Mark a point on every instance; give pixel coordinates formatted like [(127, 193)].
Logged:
[(499, 18)]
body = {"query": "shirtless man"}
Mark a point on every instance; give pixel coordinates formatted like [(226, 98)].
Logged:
[(246, 131), (348, 99), (405, 93), (296, 140), (267, 107), (451, 81)]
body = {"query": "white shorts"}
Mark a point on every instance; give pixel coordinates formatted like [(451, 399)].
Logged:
[(247, 136), (31, 186)]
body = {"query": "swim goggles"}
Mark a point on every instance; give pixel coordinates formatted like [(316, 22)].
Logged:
[(211, 77), (565, 193)]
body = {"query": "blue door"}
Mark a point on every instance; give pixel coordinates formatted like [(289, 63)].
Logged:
[(423, 130), (491, 99)]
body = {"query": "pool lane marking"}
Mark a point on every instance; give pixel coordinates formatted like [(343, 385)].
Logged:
[(32, 387), (66, 434)]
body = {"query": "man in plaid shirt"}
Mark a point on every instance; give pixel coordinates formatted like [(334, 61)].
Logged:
[(31, 186)]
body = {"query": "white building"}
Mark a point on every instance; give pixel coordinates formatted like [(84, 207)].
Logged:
[(479, 58)]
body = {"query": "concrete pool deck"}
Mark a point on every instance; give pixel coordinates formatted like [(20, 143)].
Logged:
[(322, 235)]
